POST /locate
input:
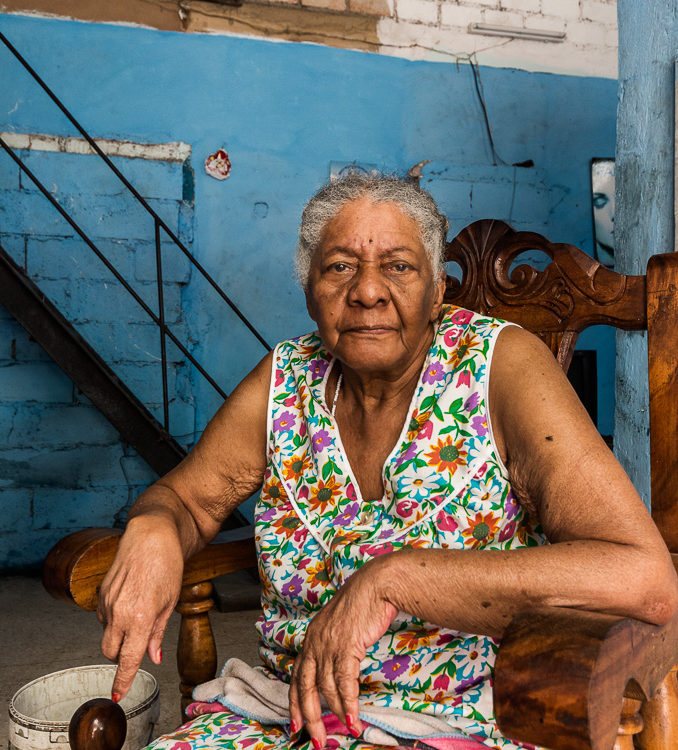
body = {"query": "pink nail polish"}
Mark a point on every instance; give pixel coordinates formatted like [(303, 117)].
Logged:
[(354, 731), (159, 654), (294, 727), (316, 743), (115, 697)]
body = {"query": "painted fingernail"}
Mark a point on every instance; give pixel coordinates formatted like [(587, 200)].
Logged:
[(351, 728), (294, 727), (316, 743), (159, 654), (115, 697)]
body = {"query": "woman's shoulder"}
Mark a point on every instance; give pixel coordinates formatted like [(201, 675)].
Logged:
[(518, 348), (300, 350)]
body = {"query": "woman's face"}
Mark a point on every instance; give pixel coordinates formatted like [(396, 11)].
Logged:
[(371, 288)]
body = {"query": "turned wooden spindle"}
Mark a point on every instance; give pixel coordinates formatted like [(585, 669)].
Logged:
[(196, 651), (660, 717), (630, 724), (98, 724)]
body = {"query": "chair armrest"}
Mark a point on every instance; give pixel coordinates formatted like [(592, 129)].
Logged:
[(76, 565), (561, 675)]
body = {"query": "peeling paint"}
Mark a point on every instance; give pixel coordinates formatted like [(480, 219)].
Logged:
[(176, 151)]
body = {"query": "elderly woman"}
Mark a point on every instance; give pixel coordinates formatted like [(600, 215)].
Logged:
[(426, 473)]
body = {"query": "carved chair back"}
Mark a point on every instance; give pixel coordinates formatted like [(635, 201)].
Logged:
[(573, 292)]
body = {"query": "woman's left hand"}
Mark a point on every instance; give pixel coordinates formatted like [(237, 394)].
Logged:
[(336, 642)]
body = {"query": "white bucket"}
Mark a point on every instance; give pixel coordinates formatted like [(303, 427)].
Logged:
[(39, 712)]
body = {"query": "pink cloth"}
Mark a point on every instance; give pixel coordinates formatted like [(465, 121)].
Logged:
[(334, 726), (451, 743)]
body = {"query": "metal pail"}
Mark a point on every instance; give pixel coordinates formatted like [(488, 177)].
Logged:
[(40, 711)]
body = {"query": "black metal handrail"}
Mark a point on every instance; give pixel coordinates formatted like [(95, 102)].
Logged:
[(159, 224), (158, 320)]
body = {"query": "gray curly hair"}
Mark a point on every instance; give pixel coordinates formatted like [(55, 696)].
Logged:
[(409, 197)]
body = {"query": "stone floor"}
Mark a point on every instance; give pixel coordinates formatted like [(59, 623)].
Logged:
[(39, 635)]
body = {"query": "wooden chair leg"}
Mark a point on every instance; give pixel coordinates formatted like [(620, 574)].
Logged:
[(196, 650), (630, 724), (660, 717)]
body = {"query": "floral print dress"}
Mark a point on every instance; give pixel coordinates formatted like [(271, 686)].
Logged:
[(445, 487)]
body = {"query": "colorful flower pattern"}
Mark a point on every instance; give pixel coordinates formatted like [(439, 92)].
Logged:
[(215, 727), (444, 487)]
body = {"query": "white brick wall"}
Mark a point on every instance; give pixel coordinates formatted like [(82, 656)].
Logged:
[(547, 23), (527, 6), (586, 33), (503, 18), (440, 30), (474, 3), (459, 15), (430, 29), (417, 30), (567, 9), (599, 11), (418, 11)]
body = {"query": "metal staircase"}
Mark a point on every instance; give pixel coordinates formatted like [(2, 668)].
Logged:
[(41, 319), (78, 359)]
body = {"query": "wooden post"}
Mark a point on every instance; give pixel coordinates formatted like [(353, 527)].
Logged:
[(661, 717), (662, 320), (196, 650), (630, 724)]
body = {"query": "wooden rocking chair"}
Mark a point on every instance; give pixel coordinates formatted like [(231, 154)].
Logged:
[(564, 679)]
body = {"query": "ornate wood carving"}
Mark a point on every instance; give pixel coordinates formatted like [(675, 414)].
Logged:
[(572, 292)]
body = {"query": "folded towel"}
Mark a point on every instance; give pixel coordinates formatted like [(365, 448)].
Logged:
[(256, 694)]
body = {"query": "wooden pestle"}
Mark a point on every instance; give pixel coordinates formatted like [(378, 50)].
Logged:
[(98, 724)]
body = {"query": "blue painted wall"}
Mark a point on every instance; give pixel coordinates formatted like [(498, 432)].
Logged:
[(648, 48), (284, 112)]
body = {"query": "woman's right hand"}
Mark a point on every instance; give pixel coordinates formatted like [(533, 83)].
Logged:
[(176, 517), (138, 595)]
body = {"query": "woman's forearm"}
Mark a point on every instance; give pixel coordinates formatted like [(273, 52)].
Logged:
[(160, 511), (479, 591)]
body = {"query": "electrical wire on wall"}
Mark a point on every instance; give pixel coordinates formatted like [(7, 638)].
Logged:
[(478, 84), (496, 159)]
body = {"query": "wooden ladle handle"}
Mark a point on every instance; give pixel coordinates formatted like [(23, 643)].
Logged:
[(98, 724)]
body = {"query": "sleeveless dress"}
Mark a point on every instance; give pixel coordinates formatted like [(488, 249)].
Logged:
[(445, 487)]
